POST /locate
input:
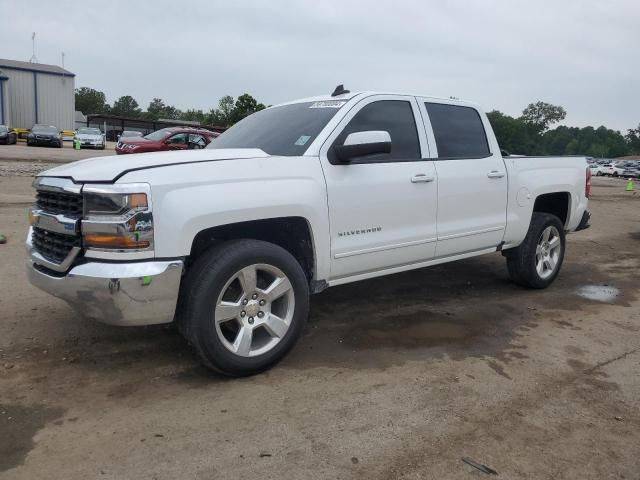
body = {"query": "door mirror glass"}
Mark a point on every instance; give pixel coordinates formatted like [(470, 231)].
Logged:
[(361, 144)]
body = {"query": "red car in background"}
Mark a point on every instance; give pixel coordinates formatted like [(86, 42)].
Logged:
[(172, 138)]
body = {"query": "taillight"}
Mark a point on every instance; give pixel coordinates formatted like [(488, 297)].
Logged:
[(587, 183)]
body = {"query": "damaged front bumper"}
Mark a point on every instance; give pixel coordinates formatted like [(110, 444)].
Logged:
[(133, 293)]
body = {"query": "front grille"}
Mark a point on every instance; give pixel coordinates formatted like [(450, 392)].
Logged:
[(53, 246), (68, 204)]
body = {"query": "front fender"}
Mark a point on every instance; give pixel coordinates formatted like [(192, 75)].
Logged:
[(188, 199)]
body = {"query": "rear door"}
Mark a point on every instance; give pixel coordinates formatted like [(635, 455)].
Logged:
[(382, 208), (472, 180)]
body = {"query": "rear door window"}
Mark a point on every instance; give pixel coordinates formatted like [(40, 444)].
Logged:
[(458, 131)]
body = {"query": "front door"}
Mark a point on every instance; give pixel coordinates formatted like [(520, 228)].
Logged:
[(179, 141), (382, 208), (472, 180)]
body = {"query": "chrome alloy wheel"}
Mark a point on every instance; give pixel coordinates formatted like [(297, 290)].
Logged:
[(254, 310), (548, 252)]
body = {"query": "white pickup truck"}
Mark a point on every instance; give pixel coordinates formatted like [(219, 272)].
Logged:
[(230, 241)]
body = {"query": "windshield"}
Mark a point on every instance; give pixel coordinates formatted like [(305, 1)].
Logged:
[(3, 129), (158, 135), (43, 129), (287, 130), (89, 131)]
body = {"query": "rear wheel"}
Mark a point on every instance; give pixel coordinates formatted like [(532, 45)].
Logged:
[(243, 306), (537, 261)]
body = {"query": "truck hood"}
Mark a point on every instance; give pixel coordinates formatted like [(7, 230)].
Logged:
[(109, 169)]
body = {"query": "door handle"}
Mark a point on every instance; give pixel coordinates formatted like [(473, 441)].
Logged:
[(422, 178), (495, 174)]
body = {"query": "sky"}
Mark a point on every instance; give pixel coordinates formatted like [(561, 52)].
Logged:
[(501, 54)]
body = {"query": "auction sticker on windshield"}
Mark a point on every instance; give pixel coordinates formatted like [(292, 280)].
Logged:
[(328, 104), (302, 140)]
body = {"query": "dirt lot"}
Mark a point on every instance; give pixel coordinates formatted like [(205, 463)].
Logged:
[(397, 377)]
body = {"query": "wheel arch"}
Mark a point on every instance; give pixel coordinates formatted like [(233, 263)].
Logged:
[(294, 234), (554, 203)]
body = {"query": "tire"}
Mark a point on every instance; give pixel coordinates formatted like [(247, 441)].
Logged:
[(216, 283), (598, 174), (524, 261)]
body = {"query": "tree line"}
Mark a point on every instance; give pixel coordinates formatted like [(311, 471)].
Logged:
[(228, 112), (528, 134)]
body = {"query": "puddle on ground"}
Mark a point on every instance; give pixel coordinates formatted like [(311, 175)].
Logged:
[(599, 293)]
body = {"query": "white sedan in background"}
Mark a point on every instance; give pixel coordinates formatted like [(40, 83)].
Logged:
[(596, 169), (90, 137), (611, 169)]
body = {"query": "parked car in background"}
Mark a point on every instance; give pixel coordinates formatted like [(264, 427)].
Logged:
[(596, 169), (172, 138), (67, 135), (90, 137), (611, 169), (47, 135), (631, 168), (8, 135), (130, 134)]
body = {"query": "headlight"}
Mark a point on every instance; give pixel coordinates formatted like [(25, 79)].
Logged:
[(117, 217)]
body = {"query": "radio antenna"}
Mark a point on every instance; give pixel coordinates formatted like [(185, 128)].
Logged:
[(34, 59)]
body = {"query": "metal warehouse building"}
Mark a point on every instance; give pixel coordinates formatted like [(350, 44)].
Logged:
[(33, 93)]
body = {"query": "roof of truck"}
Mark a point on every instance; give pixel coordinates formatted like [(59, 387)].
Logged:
[(348, 96)]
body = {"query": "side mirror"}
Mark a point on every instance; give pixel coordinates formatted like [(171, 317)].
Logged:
[(361, 144)]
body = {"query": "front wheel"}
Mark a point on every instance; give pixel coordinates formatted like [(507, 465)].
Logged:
[(243, 306), (537, 261)]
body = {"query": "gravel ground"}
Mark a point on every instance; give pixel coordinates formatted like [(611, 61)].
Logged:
[(23, 169), (397, 377)]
